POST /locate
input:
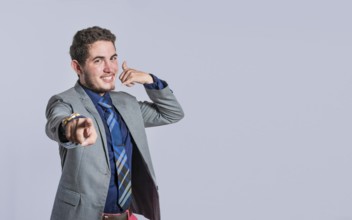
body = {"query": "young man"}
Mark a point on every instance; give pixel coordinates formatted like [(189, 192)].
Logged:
[(107, 171)]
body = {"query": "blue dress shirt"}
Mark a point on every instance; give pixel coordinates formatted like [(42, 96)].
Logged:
[(111, 204)]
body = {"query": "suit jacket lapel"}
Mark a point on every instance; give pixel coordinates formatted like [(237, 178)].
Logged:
[(88, 104), (126, 114)]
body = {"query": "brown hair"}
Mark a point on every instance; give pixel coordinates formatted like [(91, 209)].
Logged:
[(84, 38)]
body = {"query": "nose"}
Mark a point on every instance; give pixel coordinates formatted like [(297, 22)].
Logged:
[(107, 67)]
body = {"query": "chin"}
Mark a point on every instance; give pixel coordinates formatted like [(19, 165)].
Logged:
[(108, 88), (103, 89)]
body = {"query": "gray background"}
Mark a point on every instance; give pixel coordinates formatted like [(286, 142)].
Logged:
[(266, 87)]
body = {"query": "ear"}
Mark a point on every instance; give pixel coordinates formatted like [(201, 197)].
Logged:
[(76, 67)]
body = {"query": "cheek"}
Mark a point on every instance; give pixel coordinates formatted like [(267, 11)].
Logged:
[(90, 75), (95, 72), (115, 67)]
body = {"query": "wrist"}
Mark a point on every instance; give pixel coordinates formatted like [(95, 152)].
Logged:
[(70, 118), (64, 122), (149, 79)]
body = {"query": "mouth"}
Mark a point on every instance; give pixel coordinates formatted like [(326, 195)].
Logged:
[(108, 78)]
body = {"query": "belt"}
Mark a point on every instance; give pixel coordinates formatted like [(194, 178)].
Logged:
[(121, 216)]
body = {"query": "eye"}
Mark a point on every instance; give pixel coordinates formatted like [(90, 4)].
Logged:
[(97, 61), (114, 58)]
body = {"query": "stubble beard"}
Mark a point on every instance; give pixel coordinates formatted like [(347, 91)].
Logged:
[(93, 86)]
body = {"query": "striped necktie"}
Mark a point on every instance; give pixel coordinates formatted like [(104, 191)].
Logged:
[(123, 171)]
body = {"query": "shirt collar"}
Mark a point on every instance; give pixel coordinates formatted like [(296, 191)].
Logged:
[(95, 97)]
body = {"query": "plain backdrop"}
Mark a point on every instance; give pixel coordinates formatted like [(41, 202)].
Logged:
[(265, 86)]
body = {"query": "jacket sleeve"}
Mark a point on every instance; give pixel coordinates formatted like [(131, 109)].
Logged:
[(164, 108), (56, 111)]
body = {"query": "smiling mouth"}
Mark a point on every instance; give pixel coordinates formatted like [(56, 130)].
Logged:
[(107, 78)]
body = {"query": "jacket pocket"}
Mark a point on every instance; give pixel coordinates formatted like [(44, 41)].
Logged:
[(69, 196)]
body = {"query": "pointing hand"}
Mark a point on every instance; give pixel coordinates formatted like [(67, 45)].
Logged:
[(81, 131)]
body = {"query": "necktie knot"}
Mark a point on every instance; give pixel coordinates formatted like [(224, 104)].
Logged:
[(104, 103)]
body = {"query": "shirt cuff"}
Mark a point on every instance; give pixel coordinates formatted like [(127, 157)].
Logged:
[(158, 84)]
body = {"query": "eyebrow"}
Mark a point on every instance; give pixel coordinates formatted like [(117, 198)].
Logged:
[(98, 57), (102, 57)]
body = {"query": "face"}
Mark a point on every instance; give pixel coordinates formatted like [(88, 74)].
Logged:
[(100, 69)]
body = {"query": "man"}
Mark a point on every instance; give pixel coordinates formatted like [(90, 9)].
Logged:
[(107, 171)]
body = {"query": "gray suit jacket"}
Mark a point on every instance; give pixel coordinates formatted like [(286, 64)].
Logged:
[(84, 182)]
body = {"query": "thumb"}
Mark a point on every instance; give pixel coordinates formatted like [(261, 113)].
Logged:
[(87, 132), (88, 123), (124, 65), (87, 127)]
